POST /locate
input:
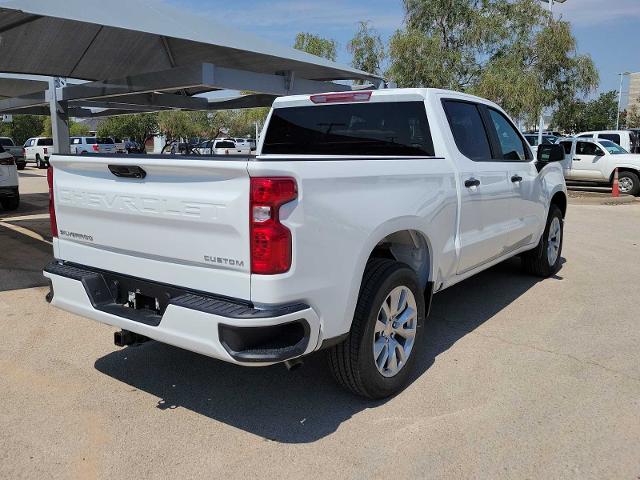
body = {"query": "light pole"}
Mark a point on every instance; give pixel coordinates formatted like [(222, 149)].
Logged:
[(620, 99), (541, 126)]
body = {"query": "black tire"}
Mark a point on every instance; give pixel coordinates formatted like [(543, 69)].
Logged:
[(20, 166), (10, 203), (635, 182), (536, 261), (352, 362)]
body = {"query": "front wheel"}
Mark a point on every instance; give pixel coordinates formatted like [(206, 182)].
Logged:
[(376, 359), (629, 183), (544, 260)]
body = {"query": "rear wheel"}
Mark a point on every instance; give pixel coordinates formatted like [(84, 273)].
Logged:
[(629, 183), (544, 260), (377, 358), (10, 203)]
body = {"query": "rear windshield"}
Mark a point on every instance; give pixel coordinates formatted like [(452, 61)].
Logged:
[(350, 129), (225, 144), (614, 137), (6, 142), (45, 141)]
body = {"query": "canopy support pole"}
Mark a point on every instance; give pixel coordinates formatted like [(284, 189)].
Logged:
[(59, 118)]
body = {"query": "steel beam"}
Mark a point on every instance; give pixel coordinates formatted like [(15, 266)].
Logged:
[(206, 76)]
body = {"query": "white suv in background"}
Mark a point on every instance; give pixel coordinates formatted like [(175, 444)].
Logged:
[(9, 195), (92, 145), (37, 150), (627, 139)]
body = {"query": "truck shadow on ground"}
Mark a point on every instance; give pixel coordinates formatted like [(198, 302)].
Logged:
[(22, 259), (304, 405)]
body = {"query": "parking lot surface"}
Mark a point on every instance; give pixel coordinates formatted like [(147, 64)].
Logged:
[(518, 378)]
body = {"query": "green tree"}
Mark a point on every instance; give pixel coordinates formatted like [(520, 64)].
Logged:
[(76, 129), (316, 45), (367, 49), (138, 127), (22, 127), (576, 116), (510, 51)]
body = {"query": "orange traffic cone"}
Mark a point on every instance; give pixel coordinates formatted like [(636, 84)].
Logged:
[(615, 192)]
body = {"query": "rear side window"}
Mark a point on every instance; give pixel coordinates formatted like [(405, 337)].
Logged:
[(75, 141), (366, 129), (614, 137), (567, 147), (2, 150), (90, 140), (6, 142), (45, 142), (468, 130), (511, 145)]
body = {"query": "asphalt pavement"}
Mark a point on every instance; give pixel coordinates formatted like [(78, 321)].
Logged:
[(517, 378)]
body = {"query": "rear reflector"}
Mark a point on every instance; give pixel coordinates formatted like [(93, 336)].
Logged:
[(52, 208), (270, 239), (341, 97)]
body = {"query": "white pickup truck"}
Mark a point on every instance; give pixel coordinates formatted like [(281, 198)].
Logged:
[(595, 161), (357, 208)]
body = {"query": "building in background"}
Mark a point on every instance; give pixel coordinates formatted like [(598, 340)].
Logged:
[(634, 89)]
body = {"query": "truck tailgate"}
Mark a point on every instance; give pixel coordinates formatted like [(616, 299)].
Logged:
[(186, 223)]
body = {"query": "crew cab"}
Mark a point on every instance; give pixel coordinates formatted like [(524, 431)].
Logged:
[(595, 161), (16, 151), (9, 191), (358, 207), (627, 139), (38, 150)]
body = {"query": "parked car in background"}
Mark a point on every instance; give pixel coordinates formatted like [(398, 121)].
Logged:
[(356, 214), (15, 150), (595, 160), (120, 145), (627, 139), (9, 191), (225, 146), (132, 146), (533, 140), (38, 150), (83, 145)]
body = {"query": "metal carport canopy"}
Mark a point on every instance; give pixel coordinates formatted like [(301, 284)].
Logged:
[(97, 40)]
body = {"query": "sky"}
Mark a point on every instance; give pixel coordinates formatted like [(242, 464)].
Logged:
[(609, 30)]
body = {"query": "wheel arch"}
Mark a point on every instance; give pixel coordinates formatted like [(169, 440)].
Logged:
[(407, 245), (560, 200), (624, 169)]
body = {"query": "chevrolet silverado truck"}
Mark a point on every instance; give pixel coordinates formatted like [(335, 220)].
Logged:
[(357, 208), (595, 160)]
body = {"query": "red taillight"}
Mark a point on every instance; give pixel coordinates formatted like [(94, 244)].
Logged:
[(52, 208), (270, 239), (24, 152), (96, 148), (341, 97)]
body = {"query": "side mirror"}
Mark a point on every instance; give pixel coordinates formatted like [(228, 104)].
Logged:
[(550, 153)]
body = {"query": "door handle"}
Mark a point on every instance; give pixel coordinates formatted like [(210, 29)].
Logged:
[(516, 178), (472, 182), (576, 159)]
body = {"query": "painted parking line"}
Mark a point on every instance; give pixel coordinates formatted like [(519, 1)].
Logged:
[(25, 231), (38, 216)]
